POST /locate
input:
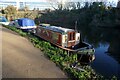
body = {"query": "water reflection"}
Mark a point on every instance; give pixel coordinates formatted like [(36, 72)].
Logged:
[(107, 44), (105, 64), (114, 49)]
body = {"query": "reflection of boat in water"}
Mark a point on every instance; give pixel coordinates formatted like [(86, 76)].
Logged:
[(67, 39)]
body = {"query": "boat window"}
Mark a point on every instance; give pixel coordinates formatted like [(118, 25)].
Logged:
[(71, 36), (64, 33), (78, 38), (65, 38)]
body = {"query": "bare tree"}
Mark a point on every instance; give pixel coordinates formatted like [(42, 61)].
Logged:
[(52, 3), (26, 8), (118, 4), (57, 4), (78, 5)]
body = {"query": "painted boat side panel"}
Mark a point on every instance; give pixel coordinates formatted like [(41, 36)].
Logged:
[(50, 36)]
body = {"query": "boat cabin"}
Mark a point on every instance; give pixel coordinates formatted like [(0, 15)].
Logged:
[(57, 35)]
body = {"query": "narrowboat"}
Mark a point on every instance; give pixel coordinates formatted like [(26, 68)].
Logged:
[(67, 39), (23, 23)]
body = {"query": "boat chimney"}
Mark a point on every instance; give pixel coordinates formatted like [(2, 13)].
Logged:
[(76, 26)]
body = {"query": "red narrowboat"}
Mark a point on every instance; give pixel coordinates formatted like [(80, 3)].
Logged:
[(67, 39)]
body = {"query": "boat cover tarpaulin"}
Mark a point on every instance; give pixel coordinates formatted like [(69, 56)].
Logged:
[(3, 19), (26, 22)]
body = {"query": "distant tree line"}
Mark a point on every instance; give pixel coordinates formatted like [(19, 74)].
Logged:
[(91, 14), (11, 12), (91, 19)]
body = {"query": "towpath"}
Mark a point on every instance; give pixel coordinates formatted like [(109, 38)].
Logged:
[(20, 59)]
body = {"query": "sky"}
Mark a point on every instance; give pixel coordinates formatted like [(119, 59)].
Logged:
[(43, 5), (25, 0), (56, 0)]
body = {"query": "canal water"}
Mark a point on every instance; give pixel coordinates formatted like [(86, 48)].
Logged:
[(106, 42), (106, 64)]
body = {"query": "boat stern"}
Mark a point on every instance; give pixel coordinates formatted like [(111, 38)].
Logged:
[(86, 54)]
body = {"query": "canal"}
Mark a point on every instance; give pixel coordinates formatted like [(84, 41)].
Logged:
[(106, 42), (106, 63)]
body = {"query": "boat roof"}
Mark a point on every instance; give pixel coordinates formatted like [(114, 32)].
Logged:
[(58, 29), (25, 22), (3, 19)]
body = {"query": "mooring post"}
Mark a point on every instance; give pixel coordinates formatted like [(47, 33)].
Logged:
[(68, 56)]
